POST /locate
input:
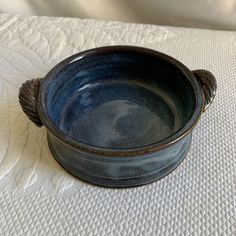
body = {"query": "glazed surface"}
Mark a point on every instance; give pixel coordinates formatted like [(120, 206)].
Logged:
[(119, 100)]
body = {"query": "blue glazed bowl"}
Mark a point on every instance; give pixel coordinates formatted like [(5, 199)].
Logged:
[(119, 116)]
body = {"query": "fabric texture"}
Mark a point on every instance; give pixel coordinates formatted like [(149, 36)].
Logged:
[(37, 197)]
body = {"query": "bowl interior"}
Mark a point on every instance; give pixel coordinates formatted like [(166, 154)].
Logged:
[(119, 99)]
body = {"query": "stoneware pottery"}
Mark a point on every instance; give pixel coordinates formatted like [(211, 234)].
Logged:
[(119, 116)]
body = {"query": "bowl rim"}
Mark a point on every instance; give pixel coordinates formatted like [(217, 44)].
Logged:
[(121, 152)]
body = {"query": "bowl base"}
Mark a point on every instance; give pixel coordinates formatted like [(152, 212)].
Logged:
[(151, 176)]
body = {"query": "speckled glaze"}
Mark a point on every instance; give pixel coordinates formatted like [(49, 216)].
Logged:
[(119, 116)]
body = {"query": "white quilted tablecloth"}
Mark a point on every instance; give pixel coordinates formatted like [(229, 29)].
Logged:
[(37, 197)]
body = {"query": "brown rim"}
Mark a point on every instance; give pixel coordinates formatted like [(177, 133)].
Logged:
[(185, 130)]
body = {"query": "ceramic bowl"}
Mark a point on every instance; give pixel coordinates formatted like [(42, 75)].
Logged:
[(119, 116)]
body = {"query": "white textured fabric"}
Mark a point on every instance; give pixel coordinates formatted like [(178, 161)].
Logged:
[(37, 197)]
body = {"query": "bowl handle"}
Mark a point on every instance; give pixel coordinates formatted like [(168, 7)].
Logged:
[(208, 84), (28, 96)]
